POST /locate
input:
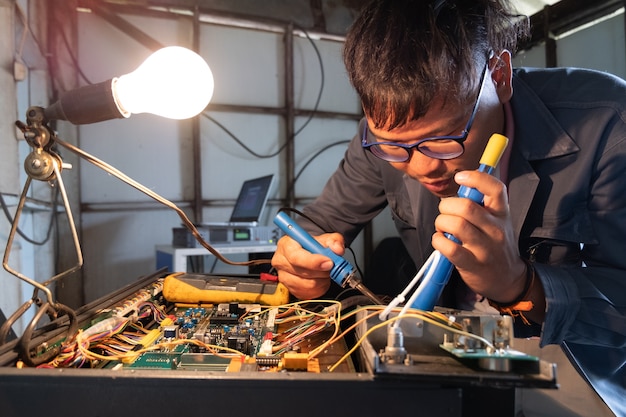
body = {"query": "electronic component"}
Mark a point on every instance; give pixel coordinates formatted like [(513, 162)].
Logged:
[(227, 235), (460, 342), (295, 361), (139, 331)]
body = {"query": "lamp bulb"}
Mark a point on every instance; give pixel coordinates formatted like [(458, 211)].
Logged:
[(173, 82)]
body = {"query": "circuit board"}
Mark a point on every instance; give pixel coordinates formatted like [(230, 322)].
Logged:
[(139, 348), (215, 328), (141, 330), (145, 331), (456, 345)]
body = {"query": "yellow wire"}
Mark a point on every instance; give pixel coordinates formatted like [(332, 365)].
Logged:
[(335, 337), (416, 315), (92, 355), (333, 316), (297, 306)]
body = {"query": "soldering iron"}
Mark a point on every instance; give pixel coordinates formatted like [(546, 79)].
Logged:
[(430, 290), (342, 272), (436, 271)]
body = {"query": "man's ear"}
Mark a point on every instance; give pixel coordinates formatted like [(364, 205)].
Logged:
[(502, 75)]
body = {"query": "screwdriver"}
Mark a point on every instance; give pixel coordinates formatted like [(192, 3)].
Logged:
[(342, 272)]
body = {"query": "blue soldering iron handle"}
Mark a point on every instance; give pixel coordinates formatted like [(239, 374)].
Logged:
[(472, 193), (297, 233), (341, 271), (429, 295), (488, 162)]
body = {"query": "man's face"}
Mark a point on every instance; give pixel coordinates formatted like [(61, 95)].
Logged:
[(437, 175)]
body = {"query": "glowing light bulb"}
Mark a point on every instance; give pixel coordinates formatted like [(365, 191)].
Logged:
[(174, 82)]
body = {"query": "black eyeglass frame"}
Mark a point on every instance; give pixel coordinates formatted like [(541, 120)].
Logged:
[(419, 145)]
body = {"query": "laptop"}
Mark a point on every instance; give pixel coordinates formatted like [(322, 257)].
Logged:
[(250, 203)]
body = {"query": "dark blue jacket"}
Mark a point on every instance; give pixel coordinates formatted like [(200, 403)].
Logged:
[(567, 193)]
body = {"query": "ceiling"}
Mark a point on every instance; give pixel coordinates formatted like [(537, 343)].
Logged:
[(530, 7), (333, 17)]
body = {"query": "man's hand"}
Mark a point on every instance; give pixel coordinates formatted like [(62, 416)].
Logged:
[(488, 260), (306, 275)]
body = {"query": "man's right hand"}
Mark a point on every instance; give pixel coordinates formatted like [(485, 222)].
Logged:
[(306, 275)]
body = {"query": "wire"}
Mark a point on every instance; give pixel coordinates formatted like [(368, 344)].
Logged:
[(308, 323), (322, 82), (239, 142), (315, 155), (20, 49), (121, 338), (300, 129), (337, 337), (72, 56), (27, 30), (417, 314), (53, 213)]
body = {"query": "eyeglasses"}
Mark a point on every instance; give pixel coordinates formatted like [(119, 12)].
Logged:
[(437, 147)]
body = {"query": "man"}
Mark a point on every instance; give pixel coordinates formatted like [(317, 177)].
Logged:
[(435, 80)]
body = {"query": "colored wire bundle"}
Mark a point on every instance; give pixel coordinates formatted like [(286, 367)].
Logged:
[(107, 339)]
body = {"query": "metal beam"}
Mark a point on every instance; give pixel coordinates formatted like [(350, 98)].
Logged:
[(567, 15), (126, 27), (196, 139), (290, 153)]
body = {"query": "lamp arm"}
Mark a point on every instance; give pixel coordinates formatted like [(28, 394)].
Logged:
[(188, 223)]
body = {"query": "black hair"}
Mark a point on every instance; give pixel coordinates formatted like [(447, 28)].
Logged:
[(400, 54)]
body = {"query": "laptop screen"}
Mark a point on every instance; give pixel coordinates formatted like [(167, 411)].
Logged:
[(251, 200)]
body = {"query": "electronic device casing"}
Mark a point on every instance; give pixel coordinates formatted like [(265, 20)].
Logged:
[(227, 235), (363, 390)]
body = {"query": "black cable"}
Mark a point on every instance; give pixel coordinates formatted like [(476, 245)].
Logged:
[(239, 142), (53, 213), (322, 81), (293, 184), (300, 129), (43, 52), (70, 52), (224, 128), (212, 269), (26, 23), (315, 155)]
